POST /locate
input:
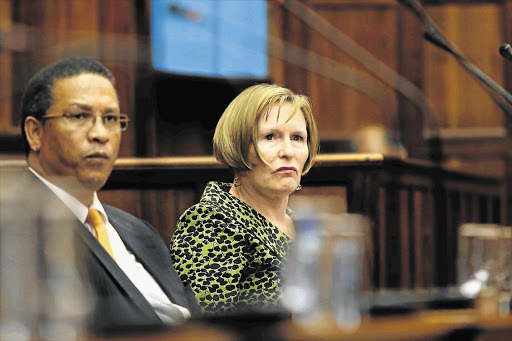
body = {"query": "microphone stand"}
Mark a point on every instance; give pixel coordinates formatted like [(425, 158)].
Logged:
[(434, 36), (500, 95)]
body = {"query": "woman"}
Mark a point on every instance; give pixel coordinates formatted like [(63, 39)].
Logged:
[(230, 246)]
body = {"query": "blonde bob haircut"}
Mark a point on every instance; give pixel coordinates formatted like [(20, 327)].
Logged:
[(237, 128)]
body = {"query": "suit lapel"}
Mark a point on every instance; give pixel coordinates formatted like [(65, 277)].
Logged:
[(155, 260), (115, 271)]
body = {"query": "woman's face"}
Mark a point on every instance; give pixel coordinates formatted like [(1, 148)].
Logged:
[(284, 146)]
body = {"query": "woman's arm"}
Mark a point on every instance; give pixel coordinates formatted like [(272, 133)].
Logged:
[(208, 252)]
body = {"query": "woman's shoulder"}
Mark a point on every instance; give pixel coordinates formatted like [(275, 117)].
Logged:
[(201, 210), (216, 193), (204, 212), (216, 199)]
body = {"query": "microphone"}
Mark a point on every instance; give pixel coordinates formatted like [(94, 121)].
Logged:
[(506, 51), (433, 36)]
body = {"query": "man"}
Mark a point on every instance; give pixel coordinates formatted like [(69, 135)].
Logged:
[(71, 127)]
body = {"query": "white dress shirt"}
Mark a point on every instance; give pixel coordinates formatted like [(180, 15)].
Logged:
[(135, 271)]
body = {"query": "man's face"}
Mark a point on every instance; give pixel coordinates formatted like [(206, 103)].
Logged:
[(83, 157)]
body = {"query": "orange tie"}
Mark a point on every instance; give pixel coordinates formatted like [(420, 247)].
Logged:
[(100, 231)]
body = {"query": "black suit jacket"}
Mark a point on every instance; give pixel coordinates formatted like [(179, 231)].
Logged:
[(118, 298), (120, 307)]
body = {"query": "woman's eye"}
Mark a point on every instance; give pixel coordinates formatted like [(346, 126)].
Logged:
[(298, 138), (269, 137)]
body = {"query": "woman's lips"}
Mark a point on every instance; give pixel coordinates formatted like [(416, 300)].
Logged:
[(287, 170)]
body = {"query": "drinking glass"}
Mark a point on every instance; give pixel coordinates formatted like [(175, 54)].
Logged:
[(483, 264), (326, 267), (345, 256), (42, 294)]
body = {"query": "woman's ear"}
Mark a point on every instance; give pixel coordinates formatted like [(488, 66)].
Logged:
[(33, 132)]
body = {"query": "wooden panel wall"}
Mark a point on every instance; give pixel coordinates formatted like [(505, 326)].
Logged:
[(5, 70), (37, 33), (117, 32)]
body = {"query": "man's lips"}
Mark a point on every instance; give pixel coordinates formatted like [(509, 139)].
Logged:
[(98, 155)]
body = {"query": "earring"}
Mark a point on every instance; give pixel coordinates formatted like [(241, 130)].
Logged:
[(236, 182), (299, 187)]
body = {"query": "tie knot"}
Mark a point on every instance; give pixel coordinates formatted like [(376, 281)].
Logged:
[(94, 218)]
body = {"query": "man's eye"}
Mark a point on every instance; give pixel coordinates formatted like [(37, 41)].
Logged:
[(80, 116), (111, 118)]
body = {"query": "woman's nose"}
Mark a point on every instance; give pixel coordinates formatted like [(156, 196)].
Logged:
[(286, 149)]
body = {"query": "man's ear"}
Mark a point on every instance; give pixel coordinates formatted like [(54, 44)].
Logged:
[(33, 131)]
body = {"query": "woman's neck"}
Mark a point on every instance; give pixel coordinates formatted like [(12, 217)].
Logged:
[(272, 208)]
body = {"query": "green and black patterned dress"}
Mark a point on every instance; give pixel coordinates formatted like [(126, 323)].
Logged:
[(229, 253)]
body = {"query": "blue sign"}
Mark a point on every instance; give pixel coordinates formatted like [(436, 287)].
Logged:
[(216, 38)]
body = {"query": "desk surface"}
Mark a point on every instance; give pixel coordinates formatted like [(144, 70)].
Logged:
[(426, 325)]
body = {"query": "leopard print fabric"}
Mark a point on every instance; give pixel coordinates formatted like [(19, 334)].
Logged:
[(230, 254)]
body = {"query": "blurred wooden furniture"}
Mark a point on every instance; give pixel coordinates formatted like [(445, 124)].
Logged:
[(449, 325), (415, 206)]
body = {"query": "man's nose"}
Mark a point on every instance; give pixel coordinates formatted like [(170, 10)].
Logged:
[(98, 131)]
